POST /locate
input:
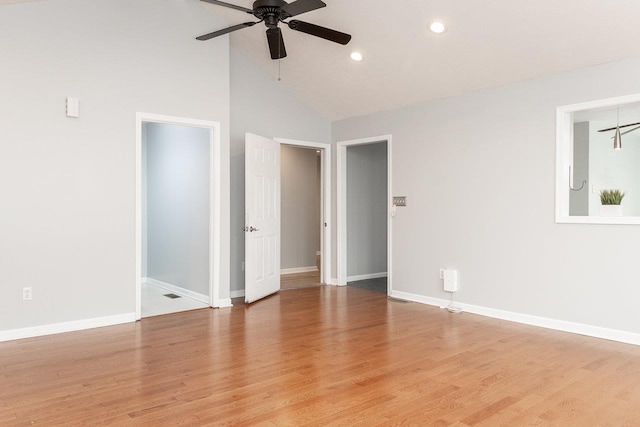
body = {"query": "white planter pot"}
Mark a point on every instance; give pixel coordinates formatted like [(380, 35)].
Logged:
[(611, 210)]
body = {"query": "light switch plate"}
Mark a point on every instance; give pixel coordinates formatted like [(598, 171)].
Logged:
[(400, 200)]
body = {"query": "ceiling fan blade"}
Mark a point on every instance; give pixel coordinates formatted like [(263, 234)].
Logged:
[(276, 43), (318, 31), (630, 130), (232, 6), (299, 7), (225, 31), (622, 126)]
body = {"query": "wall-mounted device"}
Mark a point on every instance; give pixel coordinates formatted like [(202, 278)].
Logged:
[(400, 200), (450, 279), (73, 107)]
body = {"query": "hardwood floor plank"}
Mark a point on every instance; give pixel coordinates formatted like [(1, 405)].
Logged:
[(319, 356)]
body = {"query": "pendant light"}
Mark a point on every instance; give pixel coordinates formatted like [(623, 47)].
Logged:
[(617, 139)]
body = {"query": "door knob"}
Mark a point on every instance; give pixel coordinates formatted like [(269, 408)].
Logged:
[(252, 229)]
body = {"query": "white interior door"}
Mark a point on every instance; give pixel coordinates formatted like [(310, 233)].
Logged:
[(262, 218)]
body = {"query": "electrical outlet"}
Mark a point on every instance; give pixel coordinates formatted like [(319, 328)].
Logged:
[(442, 273), (26, 294)]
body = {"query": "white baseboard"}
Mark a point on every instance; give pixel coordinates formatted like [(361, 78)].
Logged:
[(237, 294), (366, 276), (177, 290), (332, 281), (527, 319), (57, 328), (299, 270), (224, 303)]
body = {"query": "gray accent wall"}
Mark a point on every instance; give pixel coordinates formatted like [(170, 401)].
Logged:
[(177, 208), (367, 209), (261, 105), (300, 207), (579, 200), (67, 215), (478, 171)]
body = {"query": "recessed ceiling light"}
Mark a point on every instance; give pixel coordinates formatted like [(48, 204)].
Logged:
[(356, 56), (437, 27)]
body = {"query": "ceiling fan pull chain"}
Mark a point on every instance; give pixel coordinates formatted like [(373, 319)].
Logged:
[(279, 62)]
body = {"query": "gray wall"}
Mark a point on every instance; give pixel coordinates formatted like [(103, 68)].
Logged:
[(262, 106), (579, 200), (68, 185), (479, 173), (177, 214), (367, 209), (300, 207)]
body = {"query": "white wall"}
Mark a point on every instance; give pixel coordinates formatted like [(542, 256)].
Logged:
[(177, 214), (479, 173), (261, 105), (300, 207), (67, 210), (366, 209)]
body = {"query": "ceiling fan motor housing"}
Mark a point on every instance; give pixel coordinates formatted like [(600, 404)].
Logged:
[(270, 11)]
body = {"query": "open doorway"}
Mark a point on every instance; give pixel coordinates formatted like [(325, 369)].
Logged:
[(306, 209), (301, 221), (364, 214), (177, 214)]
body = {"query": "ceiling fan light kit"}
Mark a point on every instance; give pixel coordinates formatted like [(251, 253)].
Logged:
[(617, 137), (272, 12), (617, 140)]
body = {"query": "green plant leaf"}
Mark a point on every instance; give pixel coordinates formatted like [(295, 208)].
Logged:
[(611, 197)]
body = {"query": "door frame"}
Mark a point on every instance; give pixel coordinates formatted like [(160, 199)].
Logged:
[(325, 195), (215, 190), (341, 207)]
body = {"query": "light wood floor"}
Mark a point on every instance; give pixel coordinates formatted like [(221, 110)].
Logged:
[(320, 356)]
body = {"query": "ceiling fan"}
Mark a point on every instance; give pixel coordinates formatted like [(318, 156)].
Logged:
[(617, 137), (272, 12)]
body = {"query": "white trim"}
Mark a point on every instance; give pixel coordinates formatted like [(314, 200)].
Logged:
[(342, 203), (237, 294), (366, 276), (215, 185), (527, 319), (326, 159), (564, 160), (57, 328), (225, 302), (299, 270), (332, 281), (177, 290)]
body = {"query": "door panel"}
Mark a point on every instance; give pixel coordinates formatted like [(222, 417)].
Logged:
[(262, 221)]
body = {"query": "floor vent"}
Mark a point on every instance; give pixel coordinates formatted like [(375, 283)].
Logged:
[(172, 296)]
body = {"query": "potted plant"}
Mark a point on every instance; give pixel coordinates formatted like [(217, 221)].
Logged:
[(610, 200)]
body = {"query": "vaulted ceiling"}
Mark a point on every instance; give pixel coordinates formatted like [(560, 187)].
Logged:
[(487, 43)]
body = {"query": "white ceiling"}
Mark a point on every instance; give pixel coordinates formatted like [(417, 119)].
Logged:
[(488, 43)]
